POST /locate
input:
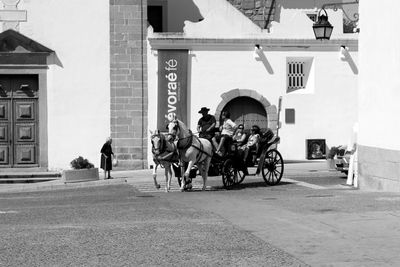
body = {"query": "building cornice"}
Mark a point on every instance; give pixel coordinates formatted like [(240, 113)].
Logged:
[(243, 44)]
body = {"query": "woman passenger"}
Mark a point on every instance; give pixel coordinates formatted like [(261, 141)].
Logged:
[(240, 136), (228, 128)]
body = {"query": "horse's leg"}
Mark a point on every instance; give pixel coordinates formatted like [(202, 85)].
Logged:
[(201, 169), (206, 166), (157, 185), (186, 174), (168, 176)]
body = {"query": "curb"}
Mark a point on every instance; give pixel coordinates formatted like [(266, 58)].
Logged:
[(58, 185)]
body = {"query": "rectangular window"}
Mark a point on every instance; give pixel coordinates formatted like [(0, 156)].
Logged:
[(289, 116), (295, 75), (299, 75)]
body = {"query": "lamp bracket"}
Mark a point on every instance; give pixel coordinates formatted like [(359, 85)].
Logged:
[(336, 6)]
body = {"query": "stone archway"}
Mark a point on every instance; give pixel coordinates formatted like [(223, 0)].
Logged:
[(271, 110)]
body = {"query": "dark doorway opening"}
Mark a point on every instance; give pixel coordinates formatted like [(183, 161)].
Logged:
[(155, 17)]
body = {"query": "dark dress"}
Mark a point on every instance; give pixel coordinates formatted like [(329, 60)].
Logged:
[(106, 164)]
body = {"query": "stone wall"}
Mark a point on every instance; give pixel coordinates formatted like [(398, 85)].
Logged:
[(379, 169), (261, 12), (128, 72)]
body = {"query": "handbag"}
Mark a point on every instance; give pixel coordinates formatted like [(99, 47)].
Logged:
[(114, 162)]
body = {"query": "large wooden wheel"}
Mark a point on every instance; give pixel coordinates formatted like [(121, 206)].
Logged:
[(228, 174), (272, 168)]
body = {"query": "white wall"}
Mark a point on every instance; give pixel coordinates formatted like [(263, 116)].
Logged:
[(379, 90), (79, 89), (328, 113)]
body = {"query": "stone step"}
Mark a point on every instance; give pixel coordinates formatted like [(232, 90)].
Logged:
[(26, 180), (27, 176)]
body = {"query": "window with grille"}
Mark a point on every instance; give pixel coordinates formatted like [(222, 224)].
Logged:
[(296, 75)]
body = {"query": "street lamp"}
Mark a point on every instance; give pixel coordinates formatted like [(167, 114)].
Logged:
[(322, 28)]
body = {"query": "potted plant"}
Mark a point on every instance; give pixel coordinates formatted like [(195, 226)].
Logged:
[(82, 170)]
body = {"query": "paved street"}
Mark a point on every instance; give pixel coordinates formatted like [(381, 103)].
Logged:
[(309, 219)]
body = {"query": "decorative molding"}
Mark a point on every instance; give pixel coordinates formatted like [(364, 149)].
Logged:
[(11, 16), (247, 44)]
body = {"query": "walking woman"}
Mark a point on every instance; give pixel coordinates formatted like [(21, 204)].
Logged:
[(106, 161)]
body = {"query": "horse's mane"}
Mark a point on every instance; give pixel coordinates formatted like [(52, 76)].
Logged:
[(182, 125)]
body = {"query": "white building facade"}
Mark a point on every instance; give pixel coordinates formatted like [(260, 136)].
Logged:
[(317, 86), (378, 94)]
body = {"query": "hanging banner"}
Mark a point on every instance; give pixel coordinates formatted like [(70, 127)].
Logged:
[(172, 86)]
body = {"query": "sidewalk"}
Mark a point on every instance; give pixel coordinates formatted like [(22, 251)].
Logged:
[(132, 176)]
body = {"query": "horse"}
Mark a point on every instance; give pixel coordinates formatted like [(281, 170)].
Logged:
[(164, 155), (192, 149)]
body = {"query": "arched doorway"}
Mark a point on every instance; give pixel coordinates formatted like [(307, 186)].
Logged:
[(250, 101), (248, 111)]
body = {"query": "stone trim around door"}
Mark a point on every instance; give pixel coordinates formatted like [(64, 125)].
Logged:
[(41, 72), (271, 110)]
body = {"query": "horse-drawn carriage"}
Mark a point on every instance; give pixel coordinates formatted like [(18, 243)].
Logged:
[(234, 168), (198, 155)]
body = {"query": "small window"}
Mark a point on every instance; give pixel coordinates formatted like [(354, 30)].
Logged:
[(298, 75), (289, 116)]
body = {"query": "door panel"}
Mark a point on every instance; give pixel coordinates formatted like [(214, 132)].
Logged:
[(4, 155), (5, 130), (25, 154), (18, 120), (25, 137), (24, 86), (5, 86)]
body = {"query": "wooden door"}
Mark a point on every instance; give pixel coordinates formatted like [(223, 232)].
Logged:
[(247, 111), (19, 121)]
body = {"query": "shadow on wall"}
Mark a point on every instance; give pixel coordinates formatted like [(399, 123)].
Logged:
[(260, 56), (172, 14)]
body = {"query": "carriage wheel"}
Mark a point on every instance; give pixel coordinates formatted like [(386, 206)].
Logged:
[(272, 169), (228, 174)]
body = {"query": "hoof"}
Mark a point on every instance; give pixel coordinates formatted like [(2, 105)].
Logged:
[(166, 190), (157, 186)]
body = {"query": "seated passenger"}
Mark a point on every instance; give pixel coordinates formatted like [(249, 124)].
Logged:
[(240, 136), (252, 142), (228, 128)]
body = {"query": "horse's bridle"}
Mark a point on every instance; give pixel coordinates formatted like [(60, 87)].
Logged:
[(176, 129), (162, 144)]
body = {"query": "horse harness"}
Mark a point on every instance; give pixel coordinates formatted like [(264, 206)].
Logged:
[(163, 149), (189, 143)]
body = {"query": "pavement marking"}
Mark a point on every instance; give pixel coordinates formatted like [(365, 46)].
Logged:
[(148, 186), (8, 211), (313, 186)]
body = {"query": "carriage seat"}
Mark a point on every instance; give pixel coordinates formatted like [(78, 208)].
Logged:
[(255, 152)]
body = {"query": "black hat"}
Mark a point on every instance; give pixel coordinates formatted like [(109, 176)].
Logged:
[(204, 109)]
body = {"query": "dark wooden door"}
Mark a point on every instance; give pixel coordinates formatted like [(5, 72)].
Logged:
[(19, 121), (248, 111)]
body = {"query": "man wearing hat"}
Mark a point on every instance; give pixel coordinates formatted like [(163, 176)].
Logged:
[(206, 124)]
